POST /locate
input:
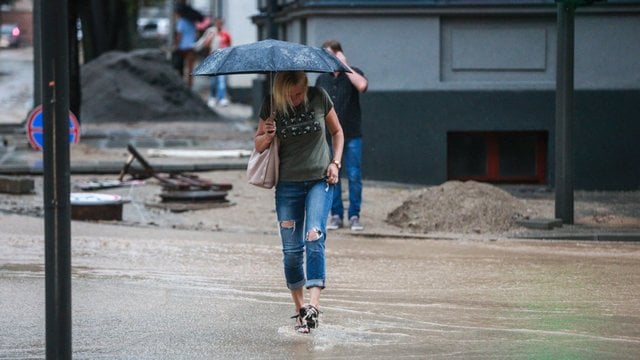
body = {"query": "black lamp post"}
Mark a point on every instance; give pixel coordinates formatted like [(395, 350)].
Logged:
[(564, 169), (54, 88)]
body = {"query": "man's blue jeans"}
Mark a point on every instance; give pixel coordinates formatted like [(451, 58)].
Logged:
[(351, 159), (302, 209)]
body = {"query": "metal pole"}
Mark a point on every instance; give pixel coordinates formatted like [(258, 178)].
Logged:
[(55, 112), (564, 173)]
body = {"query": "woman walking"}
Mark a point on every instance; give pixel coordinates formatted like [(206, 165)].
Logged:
[(300, 117)]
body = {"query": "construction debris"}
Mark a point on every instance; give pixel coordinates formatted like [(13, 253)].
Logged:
[(96, 206), (13, 185), (171, 181)]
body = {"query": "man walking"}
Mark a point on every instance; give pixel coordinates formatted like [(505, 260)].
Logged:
[(344, 90)]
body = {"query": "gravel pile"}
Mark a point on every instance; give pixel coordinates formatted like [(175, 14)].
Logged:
[(465, 207), (137, 86)]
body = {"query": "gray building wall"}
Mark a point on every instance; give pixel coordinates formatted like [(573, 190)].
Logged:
[(461, 52), (437, 70)]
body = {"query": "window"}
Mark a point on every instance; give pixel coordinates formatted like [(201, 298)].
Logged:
[(502, 156)]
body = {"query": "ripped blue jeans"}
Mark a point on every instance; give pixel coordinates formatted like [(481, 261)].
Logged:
[(302, 208)]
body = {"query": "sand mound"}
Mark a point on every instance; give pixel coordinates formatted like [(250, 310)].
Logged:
[(467, 207), (137, 86)]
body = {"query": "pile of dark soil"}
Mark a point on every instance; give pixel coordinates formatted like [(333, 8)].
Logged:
[(463, 207), (134, 86)]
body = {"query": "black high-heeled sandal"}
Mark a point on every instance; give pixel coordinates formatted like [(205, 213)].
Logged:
[(301, 325), (310, 316)]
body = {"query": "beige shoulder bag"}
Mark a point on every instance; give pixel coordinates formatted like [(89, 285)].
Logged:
[(262, 170)]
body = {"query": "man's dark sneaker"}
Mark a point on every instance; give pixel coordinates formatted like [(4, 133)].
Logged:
[(335, 222), (310, 316)]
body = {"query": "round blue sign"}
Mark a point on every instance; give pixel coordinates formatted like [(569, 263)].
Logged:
[(35, 129)]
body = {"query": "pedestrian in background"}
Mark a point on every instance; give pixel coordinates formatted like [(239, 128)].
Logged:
[(185, 39), (300, 117), (216, 37), (221, 40), (207, 43), (344, 89)]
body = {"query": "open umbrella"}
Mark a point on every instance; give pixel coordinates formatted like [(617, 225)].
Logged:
[(268, 56), (189, 13)]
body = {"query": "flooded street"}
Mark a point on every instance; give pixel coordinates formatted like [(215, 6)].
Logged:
[(141, 293)]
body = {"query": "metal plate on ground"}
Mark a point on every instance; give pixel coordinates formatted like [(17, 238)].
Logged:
[(97, 199), (107, 184)]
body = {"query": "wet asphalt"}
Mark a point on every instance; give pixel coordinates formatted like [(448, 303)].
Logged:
[(141, 293)]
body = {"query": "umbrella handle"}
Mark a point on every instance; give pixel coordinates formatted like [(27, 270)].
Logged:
[(271, 92)]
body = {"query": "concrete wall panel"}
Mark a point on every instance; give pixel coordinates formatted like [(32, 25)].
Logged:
[(395, 54), (506, 49), (607, 52), (496, 51)]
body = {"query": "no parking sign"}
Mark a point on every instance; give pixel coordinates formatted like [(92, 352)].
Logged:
[(35, 128)]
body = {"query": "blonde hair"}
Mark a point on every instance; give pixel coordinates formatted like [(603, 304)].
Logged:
[(283, 82)]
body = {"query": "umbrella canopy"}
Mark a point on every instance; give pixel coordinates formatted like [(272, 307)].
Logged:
[(189, 13), (268, 56)]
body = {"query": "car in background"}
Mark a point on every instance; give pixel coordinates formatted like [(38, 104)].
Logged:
[(153, 22), (10, 35)]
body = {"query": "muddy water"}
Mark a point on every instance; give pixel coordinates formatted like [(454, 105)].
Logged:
[(166, 294)]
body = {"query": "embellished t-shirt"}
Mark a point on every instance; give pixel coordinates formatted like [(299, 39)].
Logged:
[(304, 151)]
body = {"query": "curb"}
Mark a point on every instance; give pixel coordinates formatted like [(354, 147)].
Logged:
[(621, 237)]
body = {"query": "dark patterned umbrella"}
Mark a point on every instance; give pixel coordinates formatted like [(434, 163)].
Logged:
[(268, 56), (189, 13)]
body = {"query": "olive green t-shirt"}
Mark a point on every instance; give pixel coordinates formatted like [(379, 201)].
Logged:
[(304, 151)]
